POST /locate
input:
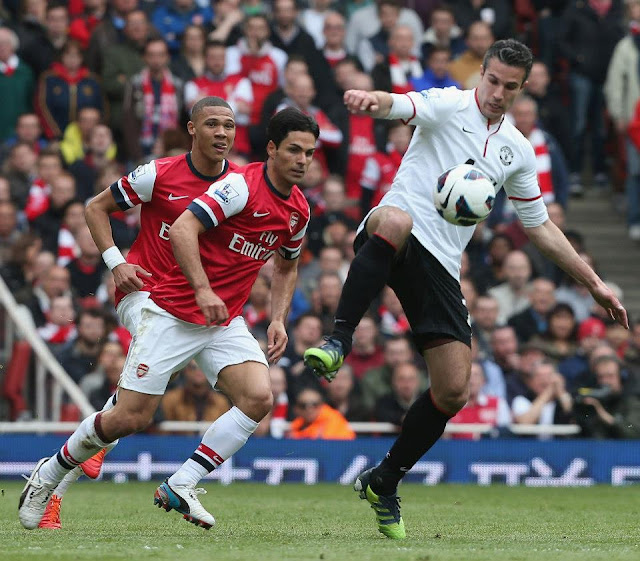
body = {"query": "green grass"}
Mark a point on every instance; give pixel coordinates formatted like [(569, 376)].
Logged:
[(295, 522)]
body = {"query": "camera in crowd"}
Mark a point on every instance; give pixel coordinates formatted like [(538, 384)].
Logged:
[(602, 393)]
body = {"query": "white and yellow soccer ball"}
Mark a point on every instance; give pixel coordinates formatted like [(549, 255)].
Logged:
[(464, 196)]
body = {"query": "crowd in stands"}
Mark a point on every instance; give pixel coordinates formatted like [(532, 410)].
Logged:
[(89, 89)]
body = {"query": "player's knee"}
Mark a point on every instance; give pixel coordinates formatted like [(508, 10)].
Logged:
[(258, 403), (452, 398), (134, 421), (396, 224)]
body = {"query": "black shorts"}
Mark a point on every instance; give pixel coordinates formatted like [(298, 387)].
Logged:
[(430, 296)]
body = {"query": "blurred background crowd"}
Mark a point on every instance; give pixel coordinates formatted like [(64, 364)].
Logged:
[(91, 88)]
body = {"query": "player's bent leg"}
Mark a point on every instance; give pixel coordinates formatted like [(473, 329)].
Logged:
[(387, 231), (248, 387), (133, 413)]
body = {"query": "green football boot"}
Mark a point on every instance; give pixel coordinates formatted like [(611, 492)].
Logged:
[(387, 508)]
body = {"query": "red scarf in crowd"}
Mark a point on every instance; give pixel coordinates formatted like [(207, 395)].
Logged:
[(399, 82), (9, 67), (168, 118), (62, 71), (543, 164)]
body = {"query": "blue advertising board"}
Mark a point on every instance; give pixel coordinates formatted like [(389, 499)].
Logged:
[(507, 461)]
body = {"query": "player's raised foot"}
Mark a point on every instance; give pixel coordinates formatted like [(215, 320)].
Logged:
[(34, 498), (185, 501), (51, 516), (326, 359), (93, 465), (387, 508)]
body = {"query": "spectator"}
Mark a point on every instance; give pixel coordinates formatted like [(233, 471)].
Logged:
[(632, 353), (292, 39), (504, 353), (366, 353), (553, 115), (377, 382), (20, 170), (551, 166), (481, 408), (172, 18), (152, 102), (49, 167), (334, 35), (195, 400), (443, 33), (590, 33), (72, 221), (313, 20), (63, 191), (547, 402), (227, 22), (610, 412), (189, 63), (106, 375), (257, 311), (497, 14), (325, 298), (466, 68), (65, 89), (487, 267), (60, 327), (396, 72), (559, 341), (82, 26), (100, 152), (80, 356), (591, 344), (512, 294), (16, 84), (87, 269), (276, 422), (405, 389), (375, 49), (330, 260), (108, 32), (534, 320), (484, 317), (122, 61), (255, 58), (393, 320), (633, 183), (365, 22), (75, 144), (27, 130), (9, 233), (317, 420), (344, 396), (42, 42), (436, 74), (18, 271), (307, 331)]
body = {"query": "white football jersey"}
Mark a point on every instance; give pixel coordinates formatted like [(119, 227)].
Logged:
[(451, 130)]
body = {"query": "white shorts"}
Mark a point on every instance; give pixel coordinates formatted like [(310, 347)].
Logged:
[(129, 310), (163, 344)]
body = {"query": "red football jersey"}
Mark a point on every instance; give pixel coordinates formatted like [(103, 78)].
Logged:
[(164, 188), (247, 221)]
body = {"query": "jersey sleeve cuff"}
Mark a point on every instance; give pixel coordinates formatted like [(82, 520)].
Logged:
[(202, 213), (403, 108), (119, 197)]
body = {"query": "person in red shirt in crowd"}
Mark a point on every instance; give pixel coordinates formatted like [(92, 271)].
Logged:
[(481, 408), (334, 31), (254, 57), (49, 167), (86, 21), (367, 352), (380, 168), (163, 188), (393, 320), (72, 221), (60, 327), (235, 88)]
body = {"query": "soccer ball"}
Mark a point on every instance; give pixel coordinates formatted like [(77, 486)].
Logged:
[(464, 195)]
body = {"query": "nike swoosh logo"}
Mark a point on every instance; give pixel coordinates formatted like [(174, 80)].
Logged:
[(172, 197), (260, 214), (465, 130), (446, 201)]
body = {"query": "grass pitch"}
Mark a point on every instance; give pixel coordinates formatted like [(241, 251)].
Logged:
[(104, 521)]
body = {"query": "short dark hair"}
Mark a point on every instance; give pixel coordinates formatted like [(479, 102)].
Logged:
[(511, 53), (211, 43), (209, 101), (288, 120), (152, 40)]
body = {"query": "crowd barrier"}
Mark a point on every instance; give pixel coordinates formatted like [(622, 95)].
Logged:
[(529, 462)]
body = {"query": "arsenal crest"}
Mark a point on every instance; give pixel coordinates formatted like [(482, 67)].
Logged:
[(142, 370), (293, 220)]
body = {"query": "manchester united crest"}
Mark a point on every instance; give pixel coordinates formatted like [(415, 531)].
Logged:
[(293, 220)]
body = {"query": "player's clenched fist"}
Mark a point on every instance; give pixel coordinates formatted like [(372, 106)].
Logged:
[(212, 307), (127, 277), (360, 101)]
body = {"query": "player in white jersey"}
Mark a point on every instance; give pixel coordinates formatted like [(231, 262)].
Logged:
[(405, 244)]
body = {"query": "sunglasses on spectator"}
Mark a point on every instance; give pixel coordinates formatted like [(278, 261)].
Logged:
[(308, 404)]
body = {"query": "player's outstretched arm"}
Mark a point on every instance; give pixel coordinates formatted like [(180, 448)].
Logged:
[(184, 240), (550, 240), (283, 284), (97, 213), (377, 104)]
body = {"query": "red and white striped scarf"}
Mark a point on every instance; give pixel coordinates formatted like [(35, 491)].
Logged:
[(168, 110), (543, 165), (399, 71)]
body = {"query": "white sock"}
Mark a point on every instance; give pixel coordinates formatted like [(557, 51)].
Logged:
[(70, 478), (111, 402), (82, 444), (222, 440)]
